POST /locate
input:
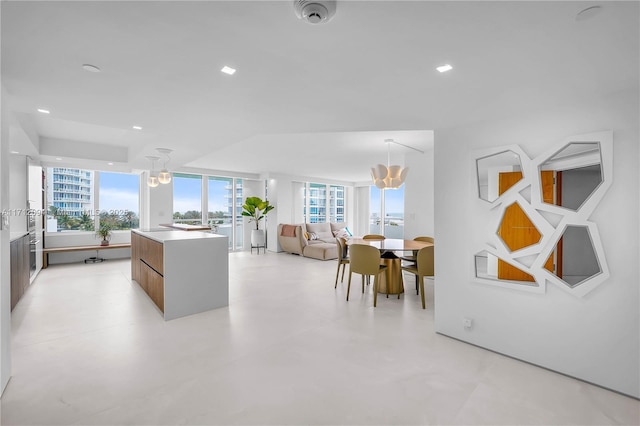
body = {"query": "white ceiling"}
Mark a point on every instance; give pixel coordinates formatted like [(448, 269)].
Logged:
[(307, 100)]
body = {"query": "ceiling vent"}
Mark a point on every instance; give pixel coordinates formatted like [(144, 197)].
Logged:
[(315, 11)]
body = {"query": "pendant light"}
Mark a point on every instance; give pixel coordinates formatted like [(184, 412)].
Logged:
[(164, 177), (152, 180), (390, 177)]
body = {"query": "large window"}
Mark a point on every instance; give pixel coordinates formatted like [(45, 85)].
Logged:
[(83, 200), (323, 203), (317, 203), (118, 195), (221, 198), (224, 197), (187, 199), (336, 203), (387, 204)]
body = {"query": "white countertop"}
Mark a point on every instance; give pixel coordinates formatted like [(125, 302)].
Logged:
[(169, 235), (14, 235)]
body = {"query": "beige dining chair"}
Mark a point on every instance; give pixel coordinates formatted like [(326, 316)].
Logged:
[(373, 237), (343, 258), (365, 260), (424, 267)]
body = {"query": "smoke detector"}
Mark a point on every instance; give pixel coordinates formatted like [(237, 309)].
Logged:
[(315, 11)]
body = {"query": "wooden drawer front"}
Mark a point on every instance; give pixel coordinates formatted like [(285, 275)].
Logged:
[(153, 284), (152, 254)]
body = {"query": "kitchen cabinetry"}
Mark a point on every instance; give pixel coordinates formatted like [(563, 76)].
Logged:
[(182, 272), (147, 267), (19, 260)]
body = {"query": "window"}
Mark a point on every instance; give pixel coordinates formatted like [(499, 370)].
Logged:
[(221, 198), (225, 208), (390, 205), (187, 199), (323, 203), (119, 195), (336, 203), (394, 213), (81, 200), (317, 203)]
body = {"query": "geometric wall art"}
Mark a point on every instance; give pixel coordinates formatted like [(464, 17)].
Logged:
[(539, 209)]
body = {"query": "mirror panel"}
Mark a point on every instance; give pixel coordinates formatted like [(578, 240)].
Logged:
[(575, 257), (491, 267), (569, 177), (516, 230), (544, 230), (495, 174)]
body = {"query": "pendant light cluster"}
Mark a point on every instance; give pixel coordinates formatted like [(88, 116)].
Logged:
[(164, 176), (390, 177)]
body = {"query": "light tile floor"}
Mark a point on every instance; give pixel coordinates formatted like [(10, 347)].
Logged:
[(90, 348)]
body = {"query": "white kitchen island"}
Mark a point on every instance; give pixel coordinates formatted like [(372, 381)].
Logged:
[(183, 273)]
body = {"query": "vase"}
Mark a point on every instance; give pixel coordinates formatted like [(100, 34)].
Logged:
[(257, 238)]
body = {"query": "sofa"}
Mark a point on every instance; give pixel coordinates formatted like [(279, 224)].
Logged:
[(315, 240)]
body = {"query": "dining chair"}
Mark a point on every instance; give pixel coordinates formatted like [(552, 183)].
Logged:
[(422, 268), (373, 237), (365, 260), (343, 258)]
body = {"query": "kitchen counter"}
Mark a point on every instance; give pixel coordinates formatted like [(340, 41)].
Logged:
[(162, 235), (16, 235), (183, 273)]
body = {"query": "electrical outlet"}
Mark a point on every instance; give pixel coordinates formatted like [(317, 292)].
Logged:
[(467, 322)]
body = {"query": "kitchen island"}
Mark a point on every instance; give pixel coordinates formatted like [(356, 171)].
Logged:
[(183, 273)]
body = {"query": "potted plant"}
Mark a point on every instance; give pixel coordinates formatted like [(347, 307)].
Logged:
[(256, 209), (104, 232)]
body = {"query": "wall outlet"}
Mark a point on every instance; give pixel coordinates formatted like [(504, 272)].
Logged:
[(467, 322)]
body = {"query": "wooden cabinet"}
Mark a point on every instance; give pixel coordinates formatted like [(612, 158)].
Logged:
[(19, 261), (147, 267)]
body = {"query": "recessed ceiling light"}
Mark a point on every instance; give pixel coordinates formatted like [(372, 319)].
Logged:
[(137, 127), (444, 68), (58, 158), (15, 152), (90, 68), (44, 111), (228, 70), (111, 164)]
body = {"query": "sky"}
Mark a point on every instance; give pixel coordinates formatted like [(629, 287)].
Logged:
[(393, 201), (187, 194), (119, 191)]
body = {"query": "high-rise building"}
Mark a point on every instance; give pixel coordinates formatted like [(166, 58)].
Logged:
[(70, 191)]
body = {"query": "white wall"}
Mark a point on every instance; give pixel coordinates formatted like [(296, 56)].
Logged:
[(18, 192), (156, 204), (65, 239), (418, 195), (595, 338), (5, 277)]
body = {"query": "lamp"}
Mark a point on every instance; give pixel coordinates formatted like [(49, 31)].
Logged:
[(152, 180), (164, 177), (390, 177)]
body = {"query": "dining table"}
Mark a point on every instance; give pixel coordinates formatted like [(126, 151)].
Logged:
[(388, 248)]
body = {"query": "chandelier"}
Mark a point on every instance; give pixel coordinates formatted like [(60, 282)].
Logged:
[(390, 177)]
